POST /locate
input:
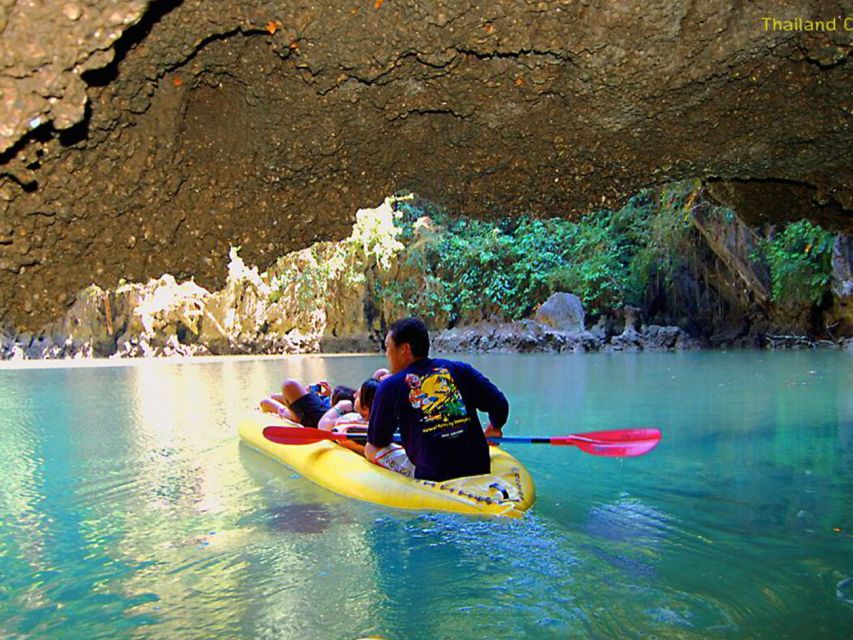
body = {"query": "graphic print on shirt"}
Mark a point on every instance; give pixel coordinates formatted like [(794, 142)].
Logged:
[(438, 398)]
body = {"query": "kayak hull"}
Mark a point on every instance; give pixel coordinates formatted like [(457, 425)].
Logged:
[(508, 491)]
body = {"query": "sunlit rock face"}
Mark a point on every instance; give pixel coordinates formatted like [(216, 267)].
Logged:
[(145, 138)]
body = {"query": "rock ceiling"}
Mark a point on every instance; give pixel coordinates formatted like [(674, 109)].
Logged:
[(138, 138)]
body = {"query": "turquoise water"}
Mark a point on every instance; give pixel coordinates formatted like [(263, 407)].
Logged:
[(130, 510)]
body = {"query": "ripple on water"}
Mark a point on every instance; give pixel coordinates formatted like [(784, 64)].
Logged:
[(504, 578)]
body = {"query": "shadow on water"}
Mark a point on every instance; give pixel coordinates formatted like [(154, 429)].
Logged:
[(298, 518), (628, 520), (632, 567), (289, 502), (630, 534)]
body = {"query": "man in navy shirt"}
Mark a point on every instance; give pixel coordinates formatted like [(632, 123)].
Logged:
[(434, 404)]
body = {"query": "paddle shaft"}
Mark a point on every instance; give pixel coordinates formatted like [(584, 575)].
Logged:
[(554, 440), (362, 437), (616, 443)]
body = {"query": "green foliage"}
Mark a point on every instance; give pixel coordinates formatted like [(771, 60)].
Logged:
[(595, 270), (800, 262), (470, 267), (417, 258), (617, 254), (658, 228)]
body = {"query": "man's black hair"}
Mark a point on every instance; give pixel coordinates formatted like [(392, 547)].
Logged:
[(411, 331)]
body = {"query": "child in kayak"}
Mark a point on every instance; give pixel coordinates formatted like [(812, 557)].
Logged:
[(350, 412), (347, 417)]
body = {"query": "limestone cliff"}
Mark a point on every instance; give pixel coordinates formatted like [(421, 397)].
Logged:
[(328, 297)]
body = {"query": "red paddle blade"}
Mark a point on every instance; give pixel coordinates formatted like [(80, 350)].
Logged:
[(299, 435), (622, 435), (617, 443)]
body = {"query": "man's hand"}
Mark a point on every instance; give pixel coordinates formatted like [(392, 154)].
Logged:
[(492, 432)]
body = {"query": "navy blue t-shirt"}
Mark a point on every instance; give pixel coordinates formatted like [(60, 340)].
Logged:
[(434, 404)]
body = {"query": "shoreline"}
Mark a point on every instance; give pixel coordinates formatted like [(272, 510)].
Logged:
[(105, 362), (93, 362)]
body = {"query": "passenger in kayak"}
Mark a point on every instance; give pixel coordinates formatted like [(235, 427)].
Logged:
[(345, 409), (305, 405), (434, 404), (381, 374), (352, 417), (351, 411)]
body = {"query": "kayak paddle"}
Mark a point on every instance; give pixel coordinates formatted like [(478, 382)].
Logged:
[(618, 443), (307, 435)]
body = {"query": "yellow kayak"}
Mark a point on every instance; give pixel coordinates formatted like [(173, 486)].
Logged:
[(507, 491)]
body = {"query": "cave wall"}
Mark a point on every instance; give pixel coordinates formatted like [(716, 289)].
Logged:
[(140, 138)]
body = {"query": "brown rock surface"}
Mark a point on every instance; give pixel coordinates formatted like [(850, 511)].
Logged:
[(141, 138)]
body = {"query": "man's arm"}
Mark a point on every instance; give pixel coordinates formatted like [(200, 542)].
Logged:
[(489, 399)]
